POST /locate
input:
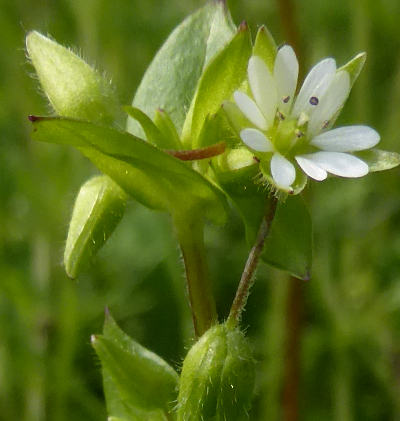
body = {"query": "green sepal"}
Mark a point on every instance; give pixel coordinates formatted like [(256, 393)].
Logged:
[(98, 208), (154, 178), (265, 47), (217, 378), (164, 123), (152, 132), (379, 160), (235, 117), (73, 88), (220, 79), (171, 79), (354, 67), (143, 380)]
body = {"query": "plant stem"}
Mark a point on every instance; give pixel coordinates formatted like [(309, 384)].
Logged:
[(247, 278), (191, 239)]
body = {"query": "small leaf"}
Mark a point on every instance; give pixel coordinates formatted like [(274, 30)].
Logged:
[(152, 132), (74, 88), (98, 209), (164, 123), (289, 244), (354, 67), (170, 81), (143, 379), (265, 47), (154, 178), (379, 160), (221, 78)]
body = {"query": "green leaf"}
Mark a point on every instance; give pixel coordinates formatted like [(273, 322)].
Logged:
[(265, 47), (354, 67), (143, 380), (98, 209), (152, 132), (289, 244), (170, 81), (379, 160), (164, 123), (73, 88), (154, 178), (221, 78)]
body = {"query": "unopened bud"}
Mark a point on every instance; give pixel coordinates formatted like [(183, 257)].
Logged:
[(217, 377)]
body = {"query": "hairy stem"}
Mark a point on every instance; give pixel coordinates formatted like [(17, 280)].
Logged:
[(191, 239), (247, 278)]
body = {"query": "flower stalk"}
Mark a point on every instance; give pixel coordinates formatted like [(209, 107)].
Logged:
[(247, 279), (190, 235)]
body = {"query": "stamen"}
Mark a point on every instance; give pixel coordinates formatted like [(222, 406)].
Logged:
[(286, 99), (280, 115), (256, 159), (298, 133), (303, 119), (314, 100), (326, 124)]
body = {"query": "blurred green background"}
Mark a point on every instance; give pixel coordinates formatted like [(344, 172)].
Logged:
[(328, 349)]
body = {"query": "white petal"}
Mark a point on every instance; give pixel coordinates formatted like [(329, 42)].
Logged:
[(249, 108), (286, 71), (282, 171), (339, 163), (310, 168), (263, 87), (330, 103), (256, 140), (347, 139), (315, 85)]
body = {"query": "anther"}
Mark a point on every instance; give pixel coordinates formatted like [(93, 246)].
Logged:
[(286, 99), (314, 100), (326, 124), (298, 133), (280, 115)]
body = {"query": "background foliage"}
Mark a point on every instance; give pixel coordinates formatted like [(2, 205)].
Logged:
[(345, 321)]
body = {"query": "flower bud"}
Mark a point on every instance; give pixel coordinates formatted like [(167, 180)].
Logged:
[(217, 377), (73, 88)]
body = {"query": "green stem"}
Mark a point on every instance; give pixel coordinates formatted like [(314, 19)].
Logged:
[(191, 239), (247, 278)]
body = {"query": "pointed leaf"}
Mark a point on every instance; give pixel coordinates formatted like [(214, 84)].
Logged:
[(153, 177), (98, 209), (152, 132), (170, 81), (164, 123), (379, 160), (143, 379), (221, 78), (74, 88), (289, 244)]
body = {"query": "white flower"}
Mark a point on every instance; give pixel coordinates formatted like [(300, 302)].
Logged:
[(292, 130)]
